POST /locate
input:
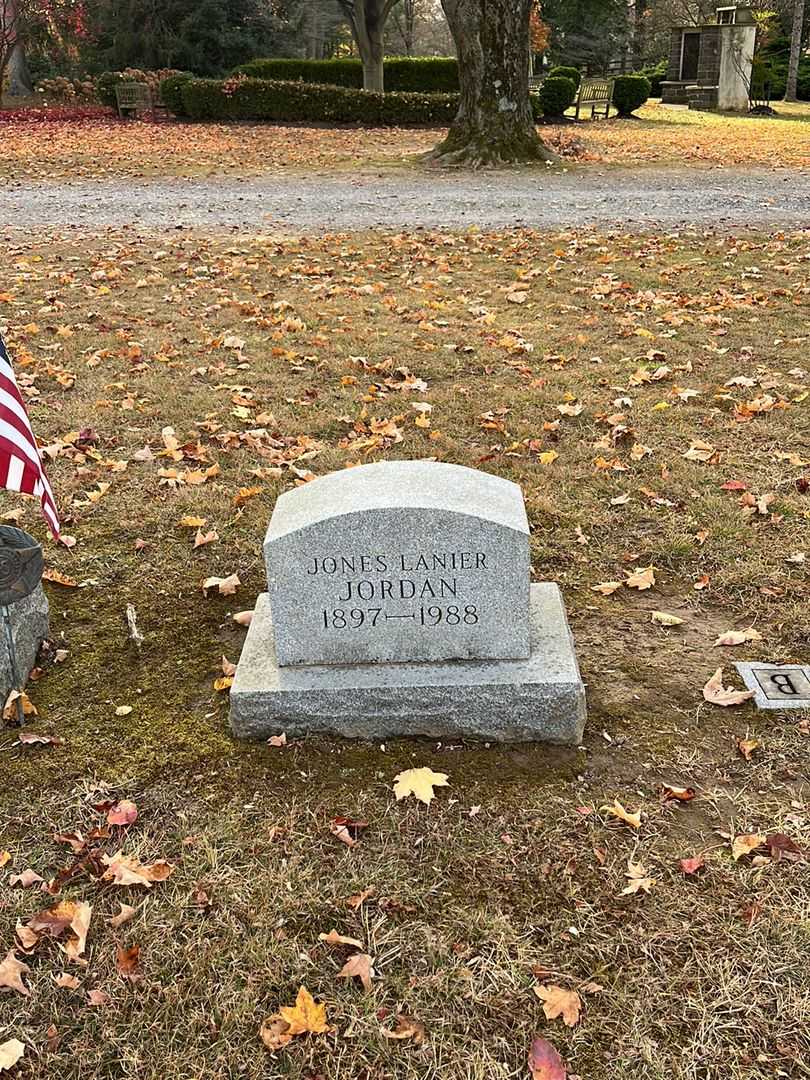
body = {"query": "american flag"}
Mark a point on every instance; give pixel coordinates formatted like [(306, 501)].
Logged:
[(21, 466)]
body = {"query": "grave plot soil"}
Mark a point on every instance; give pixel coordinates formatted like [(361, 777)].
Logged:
[(650, 394)]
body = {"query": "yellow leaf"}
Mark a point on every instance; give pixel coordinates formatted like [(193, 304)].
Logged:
[(10, 1053), (560, 1002), (618, 811), (547, 457), (305, 1015), (641, 579), (663, 618), (418, 782), (191, 522)]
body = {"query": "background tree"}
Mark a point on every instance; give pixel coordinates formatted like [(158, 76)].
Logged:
[(494, 122), (14, 20), (588, 34), (367, 19), (796, 35)]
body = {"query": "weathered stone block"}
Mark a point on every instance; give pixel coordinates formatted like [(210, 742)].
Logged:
[(29, 622), (399, 561), (539, 697)]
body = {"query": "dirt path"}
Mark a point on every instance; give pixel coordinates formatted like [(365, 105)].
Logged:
[(638, 198)]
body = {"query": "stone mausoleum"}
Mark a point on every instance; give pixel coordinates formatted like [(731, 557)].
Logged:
[(710, 65)]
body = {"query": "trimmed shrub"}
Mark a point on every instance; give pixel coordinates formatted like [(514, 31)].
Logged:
[(406, 74), (572, 73), (630, 92), (270, 99), (171, 92), (556, 94)]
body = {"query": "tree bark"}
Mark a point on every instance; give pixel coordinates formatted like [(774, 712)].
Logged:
[(367, 19), (19, 77), (795, 50), (494, 124)]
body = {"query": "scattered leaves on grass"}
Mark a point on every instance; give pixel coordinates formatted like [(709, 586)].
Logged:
[(782, 847), (127, 870), (127, 963), (347, 830), (738, 637), (305, 1017), (558, 1001), (641, 579), (677, 794), (747, 747), (717, 694), (692, 864), (420, 783), (226, 586), (10, 707), (544, 1062), (31, 738), (334, 938)]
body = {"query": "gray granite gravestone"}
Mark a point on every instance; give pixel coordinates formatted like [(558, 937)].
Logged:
[(399, 603)]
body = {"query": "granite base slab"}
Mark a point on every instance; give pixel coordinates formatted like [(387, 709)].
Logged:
[(777, 686), (541, 698)]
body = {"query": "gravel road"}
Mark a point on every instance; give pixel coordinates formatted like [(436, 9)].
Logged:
[(634, 199)]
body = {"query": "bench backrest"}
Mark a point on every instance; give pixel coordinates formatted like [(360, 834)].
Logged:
[(133, 95), (595, 90)]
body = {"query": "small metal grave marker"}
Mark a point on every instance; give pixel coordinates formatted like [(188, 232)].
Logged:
[(777, 686), (21, 567)]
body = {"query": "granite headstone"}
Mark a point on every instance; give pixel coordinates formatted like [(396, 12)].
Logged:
[(399, 603)]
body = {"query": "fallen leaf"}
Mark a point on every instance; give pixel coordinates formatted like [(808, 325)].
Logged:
[(127, 870), (358, 966), (641, 579), (5, 858), (692, 865), (275, 1033), (746, 844), (346, 830), (98, 998), (11, 972), (616, 810), (10, 707), (607, 588), (560, 1002), (30, 738), (226, 586), (26, 879), (406, 1027), (305, 1015), (663, 618), (124, 916), (781, 846), (123, 710), (637, 879), (544, 1061), (334, 938), (243, 618), (679, 794), (747, 747), (715, 693), (123, 813), (419, 782), (10, 1053), (278, 740), (738, 637), (127, 962), (700, 451)]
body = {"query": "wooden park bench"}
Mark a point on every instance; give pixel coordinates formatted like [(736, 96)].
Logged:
[(133, 98), (596, 94)]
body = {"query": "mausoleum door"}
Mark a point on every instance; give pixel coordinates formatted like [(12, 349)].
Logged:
[(690, 55)]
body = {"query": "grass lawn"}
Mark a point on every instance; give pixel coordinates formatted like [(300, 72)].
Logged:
[(58, 149), (651, 395)]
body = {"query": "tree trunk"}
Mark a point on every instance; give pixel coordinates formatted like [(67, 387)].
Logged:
[(494, 124), (367, 20), (19, 77), (795, 50)]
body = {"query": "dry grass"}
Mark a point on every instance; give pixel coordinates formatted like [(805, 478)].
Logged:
[(465, 906), (114, 148)]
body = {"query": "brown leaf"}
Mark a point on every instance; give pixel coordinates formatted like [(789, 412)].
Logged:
[(127, 870), (10, 707), (544, 1062), (607, 588), (98, 998), (124, 812), (244, 618), (560, 1002), (275, 1033), (277, 740), (405, 1027), (358, 966), (747, 747), (127, 962), (26, 879), (641, 579), (11, 972), (29, 738), (637, 879), (68, 982), (678, 794), (715, 693), (781, 846), (226, 586), (347, 829)]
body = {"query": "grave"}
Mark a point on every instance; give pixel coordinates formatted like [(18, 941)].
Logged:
[(399, 603), (777, 686)]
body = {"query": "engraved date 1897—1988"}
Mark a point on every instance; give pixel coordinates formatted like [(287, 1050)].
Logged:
[(434, 615)]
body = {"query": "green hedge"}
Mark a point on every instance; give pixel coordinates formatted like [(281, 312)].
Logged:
[(556, 94), (630, 92), (171, 92), (571, 73), (270, 99), (407, 74), (656, 73)]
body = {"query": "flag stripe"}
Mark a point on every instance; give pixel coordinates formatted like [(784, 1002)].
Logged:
[(21, 467)]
